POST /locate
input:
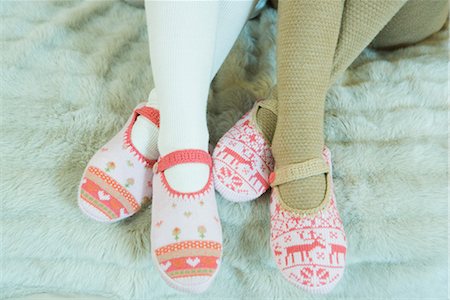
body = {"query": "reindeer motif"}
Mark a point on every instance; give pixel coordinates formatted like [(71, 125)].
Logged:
[(292, 224), (258, 178), (236, 158), (304, 250), (335, 251), (246, 123)]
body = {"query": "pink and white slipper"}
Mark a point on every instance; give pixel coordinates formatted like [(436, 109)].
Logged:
[(186, 235), (309, 246), (243, 160), (118, 179)]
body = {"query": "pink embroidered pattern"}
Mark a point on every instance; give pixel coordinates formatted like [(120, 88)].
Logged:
[(243, 161), (309, 250), (189, 258), (188, 245), (103, 177)]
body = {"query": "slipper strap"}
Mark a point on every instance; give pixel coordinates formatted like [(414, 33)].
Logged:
[(150, 113), (312, 167), (183, 157)]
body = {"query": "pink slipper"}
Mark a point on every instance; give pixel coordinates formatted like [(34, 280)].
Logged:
[(309, 246), (118, 179), (186, 235), (243, 160)]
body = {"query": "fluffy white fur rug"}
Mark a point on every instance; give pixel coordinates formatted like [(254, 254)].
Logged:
[(72, 71)]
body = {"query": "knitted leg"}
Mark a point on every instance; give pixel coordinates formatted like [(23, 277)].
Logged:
[(307, 36), (267, 118), (362, 21), (416, 20)]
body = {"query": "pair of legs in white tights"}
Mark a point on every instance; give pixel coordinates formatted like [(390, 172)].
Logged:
[(189, 40)]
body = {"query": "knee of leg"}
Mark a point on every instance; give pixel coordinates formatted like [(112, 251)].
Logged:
[(415, 21)]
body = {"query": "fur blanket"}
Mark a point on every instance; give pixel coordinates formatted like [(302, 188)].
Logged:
[(71, 72)]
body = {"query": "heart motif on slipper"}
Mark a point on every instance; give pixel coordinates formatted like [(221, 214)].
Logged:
[(103, 196), (193, 261), (166, 265)]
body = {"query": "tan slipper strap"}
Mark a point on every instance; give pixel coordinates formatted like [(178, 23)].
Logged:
[(312, 167)]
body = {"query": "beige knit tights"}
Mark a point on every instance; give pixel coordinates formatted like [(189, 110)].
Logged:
[(317, 41)]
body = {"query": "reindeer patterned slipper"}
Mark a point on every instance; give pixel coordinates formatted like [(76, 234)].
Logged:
[(243, 159), (309, 246)]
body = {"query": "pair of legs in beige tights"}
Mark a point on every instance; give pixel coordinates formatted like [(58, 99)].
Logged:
[(317, 41)]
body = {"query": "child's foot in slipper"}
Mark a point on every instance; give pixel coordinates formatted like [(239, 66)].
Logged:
[(186, 235), (118, 179), (309, 245), (242, 158)]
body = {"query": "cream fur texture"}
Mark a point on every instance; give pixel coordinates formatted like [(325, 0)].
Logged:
[(71, 73)]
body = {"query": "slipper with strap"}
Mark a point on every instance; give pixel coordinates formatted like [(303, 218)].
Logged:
[(118, 179), (309, 246), (186, 234), (243, 159)]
